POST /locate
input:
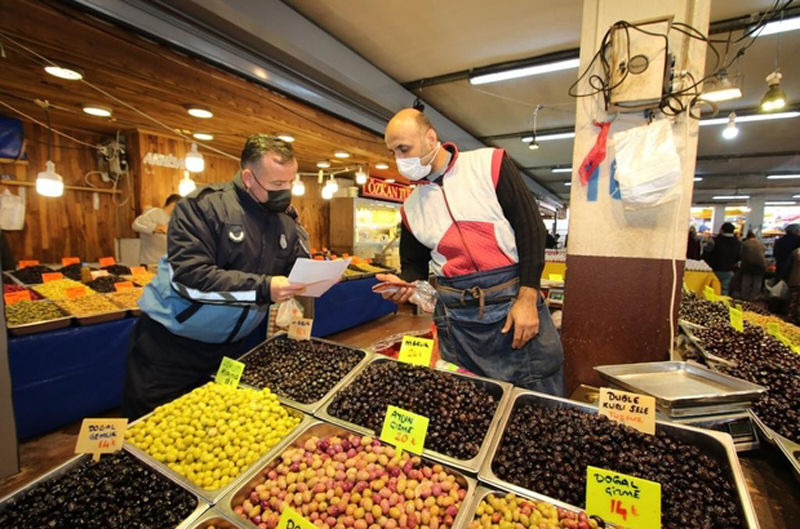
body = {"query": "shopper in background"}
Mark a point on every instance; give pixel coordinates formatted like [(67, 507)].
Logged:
[(479, 227), (754, 264), (550, 243), (229, 248), (152, 229), (723, 256), (693, 248), (783, 248)]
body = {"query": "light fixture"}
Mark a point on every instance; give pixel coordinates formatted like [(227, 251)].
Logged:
[(526, 71), (381, 166), (194, 161), (533, 144), (97, 110), (730, 131), (751, 118), (731, 197), (568, 184), (323, 165), (780, 26), (561, 170), (341, 154), (549, 137), (186, 185), (199, 112), (783, 176), (698, 178), (389, 180), (332, 184), (320, 177), (327, 193), (722, 89), (62, 72), (48, 182), (780, 203), (288, 138), (795, 196), (203, 136), (775, 98), (361, 176), (298, 188)]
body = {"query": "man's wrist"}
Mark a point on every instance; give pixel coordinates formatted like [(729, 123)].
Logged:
[(528, 294)]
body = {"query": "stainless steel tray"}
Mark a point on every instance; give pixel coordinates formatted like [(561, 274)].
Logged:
[(213, 496), (76, 461), (314, 406), (682, 389), (132, 312), (42, 326), (321, 429), (718, 446), (792, 452), (101, 317), (688, 329), (500, 390), (214, 518)]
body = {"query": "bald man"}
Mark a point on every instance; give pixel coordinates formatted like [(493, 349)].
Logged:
[(478, 226)]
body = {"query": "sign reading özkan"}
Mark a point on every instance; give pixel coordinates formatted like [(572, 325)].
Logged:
[(377, 188)]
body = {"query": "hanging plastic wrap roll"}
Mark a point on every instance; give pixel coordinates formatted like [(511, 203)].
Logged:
[(648, 165)]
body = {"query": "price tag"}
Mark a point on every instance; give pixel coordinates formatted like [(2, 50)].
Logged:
[(725, 299), (783, 339), (230, 371), (416, 351), (136, 270), (291, 519), (773, 328), (66, 261), (26, 264), (709, 294), (75, 292), (300, 328), (107, 261), (556, 277), (53, 276), (737, 319), (623, 500), (631, 409), (123, 285), (16, 297), (100, 436), (99, 273), (404, 429)]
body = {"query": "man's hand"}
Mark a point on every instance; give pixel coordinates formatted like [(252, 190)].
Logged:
[(402, 295), (280, 289), (524, 317), (160, 228)]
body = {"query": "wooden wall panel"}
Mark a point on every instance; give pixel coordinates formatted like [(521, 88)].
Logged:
[(68, 225)]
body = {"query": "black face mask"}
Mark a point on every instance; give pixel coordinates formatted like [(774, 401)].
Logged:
[(277, 201)]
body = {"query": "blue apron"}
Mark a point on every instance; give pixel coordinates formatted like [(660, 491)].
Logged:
[(470, 313)]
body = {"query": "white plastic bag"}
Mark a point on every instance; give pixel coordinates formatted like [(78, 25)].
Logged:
[(648, 165), (12, 211), (288, 311)]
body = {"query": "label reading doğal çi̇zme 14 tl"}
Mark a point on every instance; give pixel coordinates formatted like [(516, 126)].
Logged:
[(623, 500)]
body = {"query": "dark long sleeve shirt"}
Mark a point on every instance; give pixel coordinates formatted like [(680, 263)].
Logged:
[(522, 212)]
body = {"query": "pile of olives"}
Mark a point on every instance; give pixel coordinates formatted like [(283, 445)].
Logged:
[(703, 312), (300, 370), (118, 270), (118, 491), (32, 275), (547, 451), (460, 411), (104, 284), (25, 312)]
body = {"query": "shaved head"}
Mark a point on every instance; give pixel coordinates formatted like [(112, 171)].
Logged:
[(410, 133)]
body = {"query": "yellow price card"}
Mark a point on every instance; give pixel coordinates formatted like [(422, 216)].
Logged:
[(556, 277), (737, 319), (708, 292), (291, 519), (404, 429), (623, 500), (773, 328), (229, 373), (416, 351)]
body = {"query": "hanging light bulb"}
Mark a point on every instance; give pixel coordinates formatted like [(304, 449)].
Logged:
[(48, 182), (186, 185), (731, 130), (775, 98), (533, 145), (320, 177), (332, 185), (298, 188), (327, 193), (194, 160), (361, 176)]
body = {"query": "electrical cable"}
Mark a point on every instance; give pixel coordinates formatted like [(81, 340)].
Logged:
[(34, 120)]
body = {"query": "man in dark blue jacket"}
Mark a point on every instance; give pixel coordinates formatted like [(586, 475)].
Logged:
[(229, 249)]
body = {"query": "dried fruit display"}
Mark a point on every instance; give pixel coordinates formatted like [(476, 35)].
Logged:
[(25, 312), (58, 289), (88, 305)]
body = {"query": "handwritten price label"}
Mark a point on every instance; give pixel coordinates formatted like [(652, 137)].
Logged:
[(291, 519), (709, 294), (229, 373), (416, 351), (75, 292), (123, 285), (631, 409), (53, 276), (556, 277), (623, 500), (737, 319), (26, 264), (137, 270), (100, 436), (404, 429), (107, 261), (300, 329), (66, 261), (15, 297)]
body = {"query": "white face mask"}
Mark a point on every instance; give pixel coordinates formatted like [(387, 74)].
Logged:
[(413, 169)]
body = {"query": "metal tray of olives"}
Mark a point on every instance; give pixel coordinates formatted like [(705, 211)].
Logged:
[(688, 329), (788, 447), (41, 326), (101, 317), (718, 446), (213, 496), (132, 312), (255, 475), (202, 505), (682, 389), (500, 390), (214, 518), (312, 407)]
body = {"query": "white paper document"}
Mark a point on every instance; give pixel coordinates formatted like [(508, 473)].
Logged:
[(319, 276)]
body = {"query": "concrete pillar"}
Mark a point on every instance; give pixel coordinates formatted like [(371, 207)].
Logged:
[(619, 284), (718, 219), (755, 217)]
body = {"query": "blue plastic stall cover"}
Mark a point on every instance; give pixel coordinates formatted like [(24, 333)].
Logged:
[(348, 304), (11, 138)]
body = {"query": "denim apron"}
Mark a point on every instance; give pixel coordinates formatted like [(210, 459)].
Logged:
[(470, 313)]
